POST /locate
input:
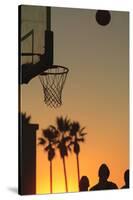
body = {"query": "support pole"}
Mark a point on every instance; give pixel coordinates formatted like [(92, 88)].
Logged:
[(48, 18), (49, 43)]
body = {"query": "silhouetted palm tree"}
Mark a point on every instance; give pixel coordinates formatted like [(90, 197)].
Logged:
[(63, 126), (49, 138), (78, 136)]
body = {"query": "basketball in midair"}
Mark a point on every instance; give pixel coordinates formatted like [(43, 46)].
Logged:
[(103, 17)]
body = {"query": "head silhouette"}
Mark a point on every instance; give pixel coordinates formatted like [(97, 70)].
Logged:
[(103, 172), (126, 177), (84, 183)]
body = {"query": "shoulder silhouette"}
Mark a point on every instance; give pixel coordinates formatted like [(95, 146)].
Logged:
[(126, 179), (103, 183), (84, 183)]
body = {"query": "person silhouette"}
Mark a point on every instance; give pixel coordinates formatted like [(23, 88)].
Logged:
[(103, 183), (84, 184), (126, 179)]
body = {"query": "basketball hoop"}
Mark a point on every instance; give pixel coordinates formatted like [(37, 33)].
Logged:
[(52, 81)]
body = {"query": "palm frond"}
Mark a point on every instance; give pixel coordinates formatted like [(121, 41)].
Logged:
[(50, 133), (47, 147), (67, 138), (66, 124), (71, 143), (80, 139), (74, 128), (56, 142), (63, 124), (81, 130), (42, 141), (59, 122), (53, 129), (82, 134)]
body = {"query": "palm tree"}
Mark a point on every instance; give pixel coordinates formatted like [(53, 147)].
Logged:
[(49, 138), (76, 132), (63, 126)]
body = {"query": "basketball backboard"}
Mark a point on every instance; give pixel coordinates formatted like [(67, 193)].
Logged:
[(35, 42), (33, 26)]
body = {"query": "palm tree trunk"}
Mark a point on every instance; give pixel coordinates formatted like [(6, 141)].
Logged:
[(51, 177), (64, 166), (78, 169)]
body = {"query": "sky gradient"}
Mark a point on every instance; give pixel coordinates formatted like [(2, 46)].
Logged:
[(96, 94)]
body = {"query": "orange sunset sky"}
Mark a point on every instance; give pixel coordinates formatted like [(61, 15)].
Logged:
[(95, 94)]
